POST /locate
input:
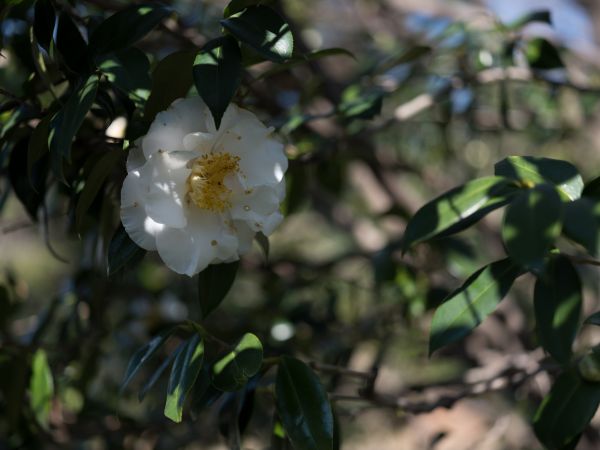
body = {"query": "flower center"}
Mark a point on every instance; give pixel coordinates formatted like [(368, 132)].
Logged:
[(205, 186)]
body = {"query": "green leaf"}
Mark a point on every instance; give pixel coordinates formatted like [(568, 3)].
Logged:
[(264, 30), (457, 206), (557, 305), (141, 356), (205, 394), (360, 105), (214, 283), (541, 15), (128, 70), (122, 251), (566, 410), (531, 170), (171, 79), (532, 223), (465, 308), (38, 144), (217, 74), (158, 372), (236, 6), (303, 406), (102, 169), (232, 372), (126, 27), (581, 223), (593, 319), (71, 45), (592, 189), (541, 54), (67, 121), (44, 20), (185, 369), (29, 190), (41, 388)]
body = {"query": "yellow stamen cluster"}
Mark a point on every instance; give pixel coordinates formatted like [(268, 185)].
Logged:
[(205, 184)]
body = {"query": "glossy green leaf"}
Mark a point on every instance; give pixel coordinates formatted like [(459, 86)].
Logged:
[(593, 319), (171, 79), (128, 70), (532, 170), (122, 251), (592, 189), (126, 27), (217, 73), (541, 54), (532, 223), (141, 356), (214, 283), (303, 406), (232, 372), (67, 121), (457, 206), (149, 384), (71, 45), (264, 30), (468, 306), (105, 165), (41, 388), (235, 6), (566, 410), (557, 305), (44, 19), (581, 223), (185, 369), (205, 394)]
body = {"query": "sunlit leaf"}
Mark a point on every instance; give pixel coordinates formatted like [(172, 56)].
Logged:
[(457, 206), (557, 304), (185, 369), (41, 388), (233, 371), (264, 30), (468, 306), (532, 223)]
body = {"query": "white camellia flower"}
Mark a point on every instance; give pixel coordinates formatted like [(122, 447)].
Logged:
[(199, 195)]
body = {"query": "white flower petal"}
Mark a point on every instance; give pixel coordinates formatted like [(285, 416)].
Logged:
[(200, 142), (135, 157), (245, 236)]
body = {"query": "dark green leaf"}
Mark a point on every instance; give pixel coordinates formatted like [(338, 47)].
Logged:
[(264, 30), (593, 319), (102, 169), (205, 394), (532, 223), (303, 406), (122, 251), (126, 27), (141, 356), (41, 388), (171, 79), (531, 170), (38, 144), (185, 369), (43, 22), (71, 45), (128, 71), (214, 283), (361, 105), (67, 121), (217, 74), (541, 54), (232, 372), (29, 191), (592, 189), (465, 308), (581, 223), (557, 305), (566, 410), (542, 15), (236, 6), (458, 206), (158, 372)]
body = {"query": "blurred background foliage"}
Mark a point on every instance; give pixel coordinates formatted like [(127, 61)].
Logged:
[(429, 95)]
